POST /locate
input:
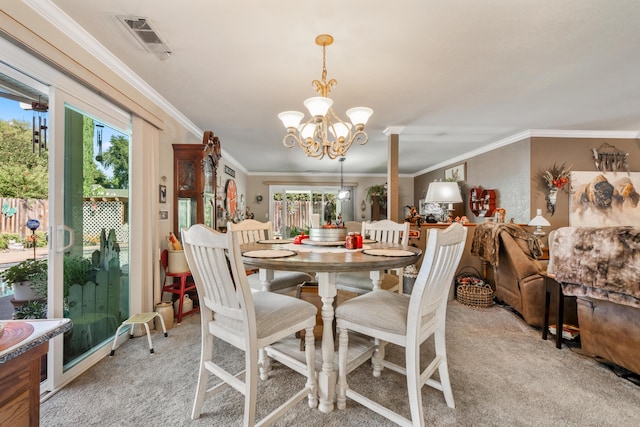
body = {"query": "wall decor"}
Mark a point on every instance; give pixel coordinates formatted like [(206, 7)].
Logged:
[(555, 178), (609, 158), (456, 173), (229, 171), (601, 199), (163, 215), (163, 194), (482, 201)]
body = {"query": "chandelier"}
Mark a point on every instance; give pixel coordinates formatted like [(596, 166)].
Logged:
[(324, 133)]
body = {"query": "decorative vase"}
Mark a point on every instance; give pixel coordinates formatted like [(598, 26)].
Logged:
[(551, 201), (164, 309)]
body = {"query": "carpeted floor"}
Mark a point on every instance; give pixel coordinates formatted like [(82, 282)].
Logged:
[(502, 373)]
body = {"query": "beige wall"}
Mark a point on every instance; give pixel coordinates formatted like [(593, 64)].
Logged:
[(505, 170)]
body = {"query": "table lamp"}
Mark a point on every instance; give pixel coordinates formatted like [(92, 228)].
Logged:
[(539, 221), (444, 192)]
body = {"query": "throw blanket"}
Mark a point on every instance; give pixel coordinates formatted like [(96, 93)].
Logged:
[(599, 262), (486, 240)]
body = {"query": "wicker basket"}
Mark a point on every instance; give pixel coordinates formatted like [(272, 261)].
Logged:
[(472, 290), (475, 296)]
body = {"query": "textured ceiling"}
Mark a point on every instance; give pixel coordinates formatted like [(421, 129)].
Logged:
[(455, 75)]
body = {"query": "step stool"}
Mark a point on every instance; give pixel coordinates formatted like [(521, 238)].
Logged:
[(140, 318)]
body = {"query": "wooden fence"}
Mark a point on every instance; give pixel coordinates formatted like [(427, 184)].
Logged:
[(16, 212)]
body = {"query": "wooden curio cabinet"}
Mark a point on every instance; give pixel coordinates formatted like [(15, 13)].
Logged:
[(194, 180)]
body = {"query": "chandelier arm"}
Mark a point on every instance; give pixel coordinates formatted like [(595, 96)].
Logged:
[(360, 137), (290, 140)]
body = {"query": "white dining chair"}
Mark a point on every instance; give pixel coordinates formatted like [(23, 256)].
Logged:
[(248, 320), (406, 321), (249, 231), (360, 281)]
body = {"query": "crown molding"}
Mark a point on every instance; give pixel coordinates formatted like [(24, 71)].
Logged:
[(534, 133)]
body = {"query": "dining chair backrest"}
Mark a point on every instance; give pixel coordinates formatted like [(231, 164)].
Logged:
[(431, 288), (250, 230), (216, 263), (387, 231)]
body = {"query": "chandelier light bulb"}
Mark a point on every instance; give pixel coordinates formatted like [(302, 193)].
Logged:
[(307, 130), (340, 130), (359, 115), (318, 105), (291, 119)]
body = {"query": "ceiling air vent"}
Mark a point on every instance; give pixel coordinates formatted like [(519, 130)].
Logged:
[(148, 37)]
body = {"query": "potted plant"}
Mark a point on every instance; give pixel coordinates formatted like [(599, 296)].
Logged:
[(378, 192), (25, 277)]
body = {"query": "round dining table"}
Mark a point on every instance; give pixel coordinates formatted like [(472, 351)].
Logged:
[(326, 261)]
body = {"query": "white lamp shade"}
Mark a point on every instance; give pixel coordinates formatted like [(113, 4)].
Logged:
[(341, 130), (318, 105), (291, 119), (539, 220), (307, 130), (443, 192), (359, 115)]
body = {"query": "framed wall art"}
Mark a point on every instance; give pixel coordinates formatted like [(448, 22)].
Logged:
[(600, 199), (456, 173), (163, 194)]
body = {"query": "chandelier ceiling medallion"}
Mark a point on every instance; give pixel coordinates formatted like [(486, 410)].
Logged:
[(324, 133)]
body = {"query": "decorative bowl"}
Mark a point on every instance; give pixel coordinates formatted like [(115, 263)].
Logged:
[(328, 234)]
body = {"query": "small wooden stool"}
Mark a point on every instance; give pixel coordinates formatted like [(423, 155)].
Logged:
[(140, 318)]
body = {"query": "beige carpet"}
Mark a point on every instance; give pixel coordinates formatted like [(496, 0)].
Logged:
[(502, 374)]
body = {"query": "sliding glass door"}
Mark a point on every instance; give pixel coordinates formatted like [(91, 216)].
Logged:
[(89, 206), (293, 208)]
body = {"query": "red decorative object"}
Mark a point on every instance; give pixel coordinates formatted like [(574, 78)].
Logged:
[(482, 202)]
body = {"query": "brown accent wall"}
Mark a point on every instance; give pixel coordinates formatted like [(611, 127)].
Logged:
[(573, 151)]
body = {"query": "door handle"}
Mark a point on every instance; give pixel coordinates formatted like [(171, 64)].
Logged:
[(62, 229)]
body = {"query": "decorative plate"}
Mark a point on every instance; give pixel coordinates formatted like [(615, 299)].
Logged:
[(388, 252), (275, 241), (269, 253)]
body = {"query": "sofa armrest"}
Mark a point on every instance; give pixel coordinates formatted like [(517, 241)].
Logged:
[(522, 264)]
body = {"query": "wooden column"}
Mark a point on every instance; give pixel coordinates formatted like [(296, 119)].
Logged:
[(393, 190)]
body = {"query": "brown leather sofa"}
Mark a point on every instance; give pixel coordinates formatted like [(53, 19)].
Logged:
[(512, 251), (518, 283), (600, 267)]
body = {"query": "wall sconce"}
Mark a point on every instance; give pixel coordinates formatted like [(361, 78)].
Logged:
[(363, 206)]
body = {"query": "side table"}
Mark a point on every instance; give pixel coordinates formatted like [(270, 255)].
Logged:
[(552, 286)]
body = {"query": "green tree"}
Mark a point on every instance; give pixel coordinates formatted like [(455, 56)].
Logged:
[(23, 174), (117, 157)]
